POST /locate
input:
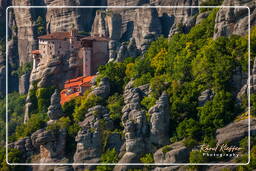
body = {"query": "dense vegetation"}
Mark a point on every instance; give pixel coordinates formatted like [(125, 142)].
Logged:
[(183, 66)]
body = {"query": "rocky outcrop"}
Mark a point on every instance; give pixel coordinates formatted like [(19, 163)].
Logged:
[(147, 24), (173, 19), (122, 53), (25, 27), (129, 50), (103, 89), (234, 20), (160, 121), (136, 129), (176, 153), (171, 168), (51, 144), (89, 138), (107, 24), (205, 96), (24, 83), (64, 19), (113, 47), (56, 71), (2, 75), (25, 146), (253, 78), (245, 84), (55, 110), (234, 132)]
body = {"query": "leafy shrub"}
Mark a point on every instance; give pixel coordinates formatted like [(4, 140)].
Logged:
[(189, 128), (144, 79), (148, 102), (190, 142), (44, 98), (216, 113), (110, 156), (116, 74), (147, 158), (16, 105), (14, 156), (62, 123), (196, 157), (83, 104), (23, 69), (36, 122), (69, 108), (40, 26), (166, 149), (114, 105)]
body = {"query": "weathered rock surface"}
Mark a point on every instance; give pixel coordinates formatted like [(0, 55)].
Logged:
[(107, 24), (171, 168), (55, 110), (178, 153), (89, 138), (129, 50), (160, 121), (235, 131), (24, 83), (64, 19), (51, 144), (136, 128), (242, 80), (24, 145), (25, 27), (205, 96), (253, 78), (220, 168), (234, 20), (56, 71), (2, 76), (103, 89)]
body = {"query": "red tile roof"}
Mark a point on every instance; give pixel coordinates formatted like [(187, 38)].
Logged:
[(36, 52), (75, 86), (79, 81), (56, 36)]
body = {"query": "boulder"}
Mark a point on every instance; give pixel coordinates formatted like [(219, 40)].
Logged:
[(205, 96), (128, 157), (235, 131), (24, 83), (103, 89), (234, 21), (160, 121), (178, 153), (54, 110)]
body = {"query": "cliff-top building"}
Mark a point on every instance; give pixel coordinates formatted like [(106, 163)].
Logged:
[(92, 51)]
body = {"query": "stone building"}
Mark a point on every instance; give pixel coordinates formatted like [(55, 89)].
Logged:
[(89, 51), (92, 50)]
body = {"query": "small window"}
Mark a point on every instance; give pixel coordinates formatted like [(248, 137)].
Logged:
[(58, 52)]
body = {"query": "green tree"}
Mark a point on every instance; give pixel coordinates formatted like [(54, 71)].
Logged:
[(40, 26)]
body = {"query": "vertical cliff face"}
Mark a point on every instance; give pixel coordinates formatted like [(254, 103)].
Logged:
[(234, 21), (25, 27)]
